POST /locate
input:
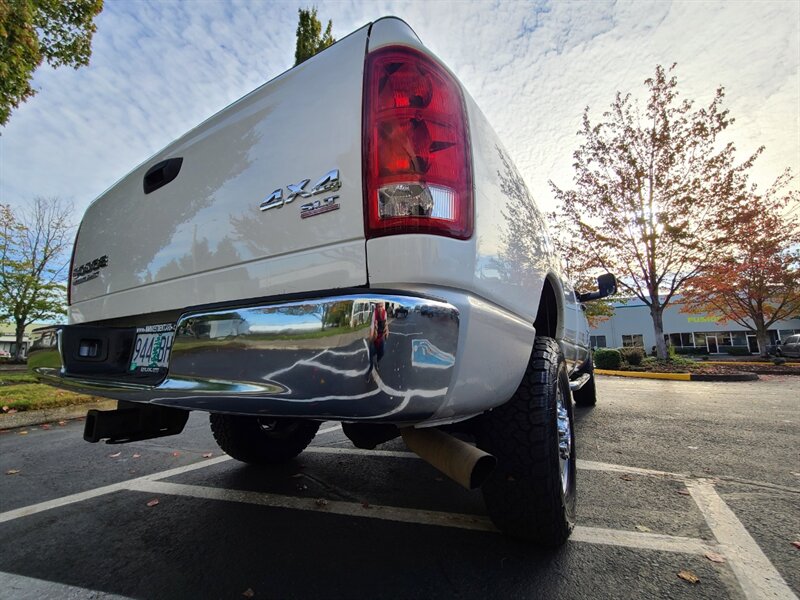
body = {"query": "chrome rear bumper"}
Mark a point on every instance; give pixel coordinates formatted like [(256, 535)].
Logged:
[(309, 358)]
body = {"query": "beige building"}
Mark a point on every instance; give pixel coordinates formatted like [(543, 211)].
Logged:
[(8, 339)]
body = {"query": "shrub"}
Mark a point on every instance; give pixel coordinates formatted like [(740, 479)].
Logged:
[(738, 351), (693, 351), (633, 356), (607, 358)]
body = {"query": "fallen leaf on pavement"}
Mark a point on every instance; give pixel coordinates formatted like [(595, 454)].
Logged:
[(248, 593), (153, 502), (62, 423), (23, 433), (689, 576), (643, 528), (137, 455), (692, 447), (115, 455), (714, 557), (626, 477), (45, 426), (321, 502), (684, 492), (12, 471), (176, 454), (208, 455), (796, 545), (5, 409)]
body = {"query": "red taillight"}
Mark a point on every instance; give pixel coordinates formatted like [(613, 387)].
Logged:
[(417, 169)]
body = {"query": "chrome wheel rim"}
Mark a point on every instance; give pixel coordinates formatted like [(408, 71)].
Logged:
[(564, 440)]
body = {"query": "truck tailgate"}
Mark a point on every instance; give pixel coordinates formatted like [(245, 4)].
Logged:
[(267, 200)]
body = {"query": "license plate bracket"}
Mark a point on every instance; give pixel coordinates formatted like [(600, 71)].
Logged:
[(151, 349)]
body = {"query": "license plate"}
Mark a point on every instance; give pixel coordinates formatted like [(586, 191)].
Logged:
[(152, 348)]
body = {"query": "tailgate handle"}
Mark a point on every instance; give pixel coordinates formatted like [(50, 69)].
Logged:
[(162, 173)]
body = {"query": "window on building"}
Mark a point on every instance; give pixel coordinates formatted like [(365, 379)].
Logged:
[(686, 340), (725, 339), (633, 340), (739, 338), (597, 341), (700, 340), (784, 333), (675, 339)]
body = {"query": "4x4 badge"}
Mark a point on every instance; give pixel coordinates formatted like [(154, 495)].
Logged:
[(329, 182)]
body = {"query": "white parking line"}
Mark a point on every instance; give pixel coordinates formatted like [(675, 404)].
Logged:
[(106, 489), (123, 485), (352, 509), (756, 575), (586, 465), (336, 427), (591, 535), (20, 587)]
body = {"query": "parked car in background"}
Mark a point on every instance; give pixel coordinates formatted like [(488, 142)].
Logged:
[(790, 347)]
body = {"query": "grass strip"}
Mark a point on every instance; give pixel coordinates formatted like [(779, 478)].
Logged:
[(14, 378), (35, 396)]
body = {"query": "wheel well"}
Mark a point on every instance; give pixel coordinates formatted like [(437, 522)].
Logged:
[(546, 322)]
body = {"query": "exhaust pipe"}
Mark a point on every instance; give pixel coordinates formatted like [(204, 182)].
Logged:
[(461, 462)]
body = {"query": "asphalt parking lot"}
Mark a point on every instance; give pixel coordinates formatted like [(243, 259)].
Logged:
[(674, 476)]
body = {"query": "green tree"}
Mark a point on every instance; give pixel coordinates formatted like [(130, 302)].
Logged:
[(32, 31), (654, 188), (34, 248), (310, 38)]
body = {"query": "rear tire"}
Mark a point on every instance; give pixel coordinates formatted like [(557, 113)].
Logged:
[(531, 494), (261, 440), (587, 395)]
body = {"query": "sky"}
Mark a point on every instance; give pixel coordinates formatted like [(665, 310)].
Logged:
[(160, 68)]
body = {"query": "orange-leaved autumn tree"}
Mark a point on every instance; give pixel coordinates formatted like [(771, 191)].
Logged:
[(653, 186), (757, 281)]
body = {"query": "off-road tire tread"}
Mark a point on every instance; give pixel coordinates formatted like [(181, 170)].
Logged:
[(242, 438), (523, 496)]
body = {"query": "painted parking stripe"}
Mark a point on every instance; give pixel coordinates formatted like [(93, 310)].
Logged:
[(590, 535), (123, 485), (106, 489), (336, 427), (586, 465), (352, 509), (755, 573), (20, 587)]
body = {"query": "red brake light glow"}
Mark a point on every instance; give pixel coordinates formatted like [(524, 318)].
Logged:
[(417, 165)]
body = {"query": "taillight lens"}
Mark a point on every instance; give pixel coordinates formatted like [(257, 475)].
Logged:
[(417, 165)]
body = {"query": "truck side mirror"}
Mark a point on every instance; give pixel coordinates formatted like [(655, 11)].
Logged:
[(606, 285)]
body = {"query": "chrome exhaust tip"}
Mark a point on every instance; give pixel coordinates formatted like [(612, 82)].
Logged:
[(463, 463)]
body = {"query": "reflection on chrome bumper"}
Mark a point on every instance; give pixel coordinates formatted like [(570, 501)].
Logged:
[(313, 358)]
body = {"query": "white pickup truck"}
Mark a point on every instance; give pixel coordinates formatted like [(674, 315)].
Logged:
[(348, 242)]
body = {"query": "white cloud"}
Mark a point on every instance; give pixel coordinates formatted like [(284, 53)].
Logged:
[(158, 69)]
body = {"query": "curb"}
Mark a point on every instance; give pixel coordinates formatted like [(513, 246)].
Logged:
[(751, 363), (48, 415), (681, 376), (646, 375)]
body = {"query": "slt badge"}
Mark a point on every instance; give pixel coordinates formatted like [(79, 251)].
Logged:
[(329, 182)]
